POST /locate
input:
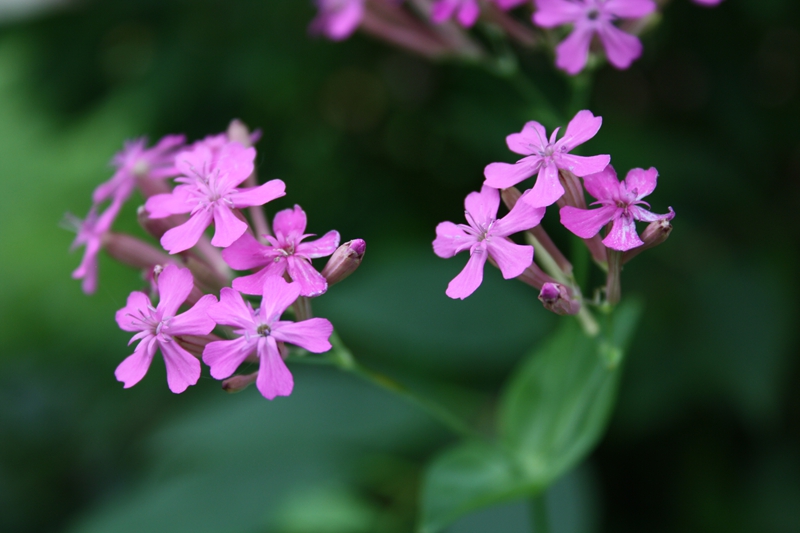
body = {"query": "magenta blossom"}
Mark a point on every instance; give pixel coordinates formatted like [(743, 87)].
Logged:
[(545, 156), (465, 11), (158, 326), (620, 202), (286, 251), (590, 17), (91, 232), (136, 160), (261, 331), (208, 191), (486, 236), (337, 19)]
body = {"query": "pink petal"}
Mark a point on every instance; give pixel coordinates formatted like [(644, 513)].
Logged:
[(470, 278), (258, 195), (174, 286), (227, 226), (186, 235), (339, 23), (311, 282), (522, 217), (482, 206), (503, 175), (603, 185), (175, 203), (629, 9), (621, 48), (547, 188), (582, 166), (623, 235), (235, 164), (468, 13), (580, 129), (231, 310), (254, 283), (451, 239), (532, 138), (195, 321), (311, 334), (278, 296), (552, 13), (246, 253), (644, 181), (644, 215), (193, 161), (87, 270), (443, 10), (135, 366), (183, 369), (274, 379), (572, 53), (322, 247), (512, 259), (586, 223), (289, 224), (128, 317), (224, 357)]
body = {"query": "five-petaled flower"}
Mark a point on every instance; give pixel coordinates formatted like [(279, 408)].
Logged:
[(209, 192), (546, 156), (590, 17), (158, 327), (485, 236), (620, 205), (261, 331), (285, 252)]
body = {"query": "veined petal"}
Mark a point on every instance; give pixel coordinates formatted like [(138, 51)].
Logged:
[(511, 258), (231, 310), (644, 215), (278, 296), (195, 321), (629, 9), (547, 188), (289, 223), (193, 161), (227, 227), (128, 317), (583, 126), (482, 206), (186, 235), (573, 52), (533, 137), (623, 235), (175, 203), (183, 369), (470, 278), (621, 48), (582, 166), (322, 247), (586, 223), (174, 286), (274, 379), (260, 195), (451, 239), (552, 13), (603, 185), (135, 366), (522, 217), (504, 175), (224, 357), (644, 181), (235, 164), (303, 272), (246, 253), (311, 334), (254, 283)]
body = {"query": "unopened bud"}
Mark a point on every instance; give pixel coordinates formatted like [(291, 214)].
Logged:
[(157, 227), (344, 261), (239, 383), (133, 252), (654, 234), (558, 299), (195, 344)]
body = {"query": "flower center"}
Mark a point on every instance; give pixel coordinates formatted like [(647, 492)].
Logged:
[(263, 330)]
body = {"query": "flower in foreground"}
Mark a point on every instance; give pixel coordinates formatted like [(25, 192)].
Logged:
[(261, 331), (486, 237), (590, 17), (209, 192), (286, 251), (620, 202), (158, 326), (545, 156), (337, 19), (91, 232)]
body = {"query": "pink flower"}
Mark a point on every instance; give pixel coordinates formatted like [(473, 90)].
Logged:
[(285, 252), (590, 17), (485, 235), (135, 160), (620, 204), (465, 11), (261, 331), (337, 19), (90, 234), (545, 157), (158, 326), (208, 191)]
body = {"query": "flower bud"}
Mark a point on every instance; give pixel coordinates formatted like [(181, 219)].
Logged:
[(133, 252), (195, 344), (654, 234), (239, 383), (557, 298), (344, 261)]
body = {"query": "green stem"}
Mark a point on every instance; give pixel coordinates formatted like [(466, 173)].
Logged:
[(539, 515)]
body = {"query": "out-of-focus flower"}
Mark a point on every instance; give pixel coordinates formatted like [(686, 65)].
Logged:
[(337, 19), (91, 232)]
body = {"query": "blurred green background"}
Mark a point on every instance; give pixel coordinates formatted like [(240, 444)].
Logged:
[(382, 145)]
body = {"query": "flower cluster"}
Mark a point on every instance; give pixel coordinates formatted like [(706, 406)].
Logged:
[(215, 180), (610, 24), (558, 181)]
